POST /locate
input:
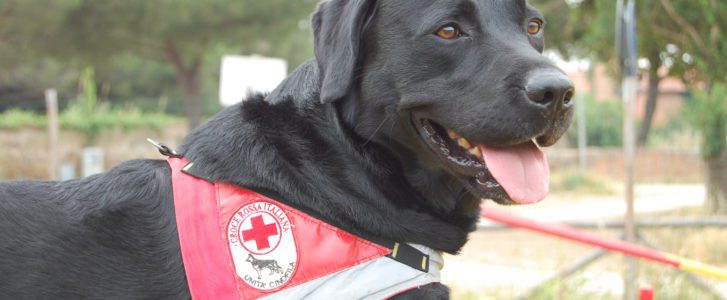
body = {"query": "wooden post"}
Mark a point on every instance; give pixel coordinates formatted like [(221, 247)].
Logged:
[(628, 55), (630, 86), (51, 104)]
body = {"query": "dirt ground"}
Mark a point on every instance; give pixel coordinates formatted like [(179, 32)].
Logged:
[(504, 264), (24, 152)]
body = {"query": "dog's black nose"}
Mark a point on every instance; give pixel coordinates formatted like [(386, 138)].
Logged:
[(549, 86)]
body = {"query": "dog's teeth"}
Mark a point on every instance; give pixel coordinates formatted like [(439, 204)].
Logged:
[(476, 152), (452, 134), (464, 143), (536, 143)]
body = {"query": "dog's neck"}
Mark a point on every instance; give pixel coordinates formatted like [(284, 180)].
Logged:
[(311, 156)]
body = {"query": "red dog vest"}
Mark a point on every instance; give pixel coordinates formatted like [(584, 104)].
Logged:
[(238, 244)]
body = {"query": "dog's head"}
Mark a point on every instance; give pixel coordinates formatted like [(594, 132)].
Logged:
[(455, 87)]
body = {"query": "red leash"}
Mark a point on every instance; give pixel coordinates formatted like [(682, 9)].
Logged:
[(568, 232)]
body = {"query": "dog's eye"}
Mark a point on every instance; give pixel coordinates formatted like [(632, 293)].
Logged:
[(535, 26), (449, 32)]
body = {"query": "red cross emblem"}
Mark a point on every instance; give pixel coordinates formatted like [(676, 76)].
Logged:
[(260, 232)]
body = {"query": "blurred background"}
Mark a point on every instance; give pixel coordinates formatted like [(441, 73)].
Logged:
[(126, 70)]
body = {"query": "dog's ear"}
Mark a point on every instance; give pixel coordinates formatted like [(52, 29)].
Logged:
[(338, 27)]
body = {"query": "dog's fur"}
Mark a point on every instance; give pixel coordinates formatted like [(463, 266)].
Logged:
[(335, 140)]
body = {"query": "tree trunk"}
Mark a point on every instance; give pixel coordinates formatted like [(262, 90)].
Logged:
[(716, 176), (651, 100), (188, 81)]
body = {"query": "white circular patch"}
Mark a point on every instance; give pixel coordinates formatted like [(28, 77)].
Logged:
[(262, 245)]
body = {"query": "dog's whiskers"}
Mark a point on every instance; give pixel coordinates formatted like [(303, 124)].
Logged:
[(375, 131), (391, 130)]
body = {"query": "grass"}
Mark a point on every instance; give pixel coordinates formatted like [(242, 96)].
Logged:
[(669, 284), (470, 295), (570, 289), (16, 118), (104, 117), (567, 289), (707, 245)]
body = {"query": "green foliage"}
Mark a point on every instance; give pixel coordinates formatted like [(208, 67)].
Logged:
[(23, 86), (104, 117), (75, 118), (708, 113), (132, 80), (588, 29), (85, 114), (676, 133), (15, 118), (699, 29), (604, 123), (145, 52), (88, 84), (103, 28), (28, 29)]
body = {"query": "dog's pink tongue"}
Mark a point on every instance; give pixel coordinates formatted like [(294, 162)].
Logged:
[(521, 170)]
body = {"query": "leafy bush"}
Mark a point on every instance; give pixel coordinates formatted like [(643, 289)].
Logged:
[(75, 117), (677, 133), (104, 117), (86, 115), (708, 113), (604, 123), (15, 118)]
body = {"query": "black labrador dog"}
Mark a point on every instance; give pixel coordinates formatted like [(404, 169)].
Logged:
[(411, 112)]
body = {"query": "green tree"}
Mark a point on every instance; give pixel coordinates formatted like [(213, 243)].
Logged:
[(179, 33), (589, 31), (26, 31), (694, 30), (697, 29), (708, 113), (28, 28)]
